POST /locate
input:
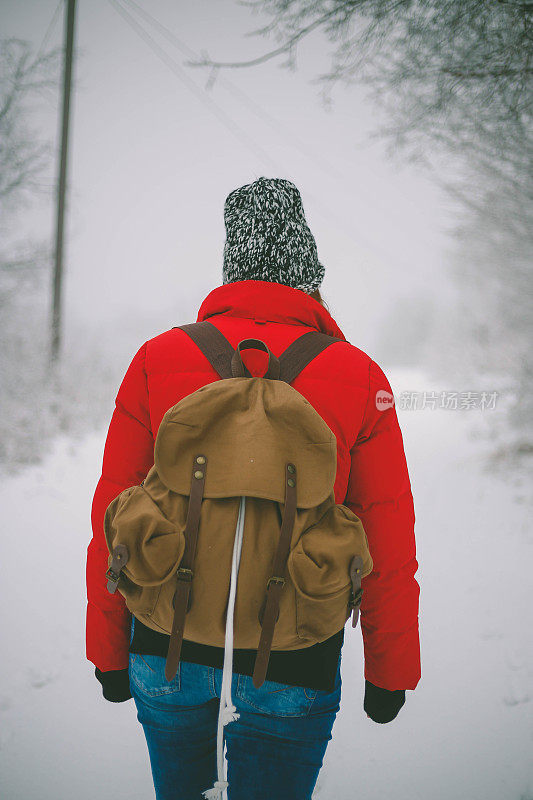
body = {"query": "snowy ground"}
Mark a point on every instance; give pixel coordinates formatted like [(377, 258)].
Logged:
[(467, 731)]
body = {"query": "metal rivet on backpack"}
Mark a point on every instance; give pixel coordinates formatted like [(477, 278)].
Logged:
[(198, 474), (291, 482), (200, 460), (291, 468)]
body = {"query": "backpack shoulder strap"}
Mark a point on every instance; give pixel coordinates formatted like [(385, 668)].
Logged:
[(213, 345), (219, 351), (301, 352)]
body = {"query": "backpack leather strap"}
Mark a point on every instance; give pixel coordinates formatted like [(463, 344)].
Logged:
[(119, 559), (185, 572), (356, 594), (213, 345), (270, 611), (219, 351), (239, 368), (301, 352)]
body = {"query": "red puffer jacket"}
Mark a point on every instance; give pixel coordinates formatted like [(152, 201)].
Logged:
[(372, 477)]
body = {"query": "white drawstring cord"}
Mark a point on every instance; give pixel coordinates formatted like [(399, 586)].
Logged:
[(227, 712)]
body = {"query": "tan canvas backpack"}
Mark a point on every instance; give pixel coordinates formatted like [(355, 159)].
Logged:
[(235, 530)]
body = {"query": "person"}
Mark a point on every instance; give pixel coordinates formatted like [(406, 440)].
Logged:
[(270, 291)]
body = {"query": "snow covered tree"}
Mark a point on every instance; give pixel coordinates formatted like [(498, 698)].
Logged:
[(25, 163), (454, 81), (457, 75), (24, 157)]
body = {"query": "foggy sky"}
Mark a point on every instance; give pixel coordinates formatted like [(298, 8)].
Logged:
[(151, 165)]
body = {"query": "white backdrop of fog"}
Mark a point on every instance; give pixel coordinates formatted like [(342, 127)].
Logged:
[(151, 166)]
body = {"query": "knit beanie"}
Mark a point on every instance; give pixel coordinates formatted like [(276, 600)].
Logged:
[(267, 236)]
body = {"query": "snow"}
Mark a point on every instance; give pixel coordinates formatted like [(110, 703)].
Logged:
[(466, 732)]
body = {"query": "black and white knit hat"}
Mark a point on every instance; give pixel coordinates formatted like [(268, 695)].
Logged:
[(267, 236)]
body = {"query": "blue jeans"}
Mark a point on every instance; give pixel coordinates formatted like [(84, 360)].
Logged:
[(274, 750)]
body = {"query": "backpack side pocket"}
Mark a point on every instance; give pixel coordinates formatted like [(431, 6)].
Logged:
[(319, 567), (154, 543)]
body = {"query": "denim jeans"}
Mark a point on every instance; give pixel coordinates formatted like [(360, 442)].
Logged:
[(274, 749)]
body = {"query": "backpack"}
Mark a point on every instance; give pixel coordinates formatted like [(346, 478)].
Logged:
[(235, 533)]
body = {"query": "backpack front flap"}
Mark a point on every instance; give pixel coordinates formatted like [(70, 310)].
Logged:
[(248, 428)]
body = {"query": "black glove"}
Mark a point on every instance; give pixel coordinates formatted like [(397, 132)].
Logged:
[(382, 705), (115, 684)]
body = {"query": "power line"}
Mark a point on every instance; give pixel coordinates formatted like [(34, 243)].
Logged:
[(362, 238), (44, 91), (49, 30), (315, 157), (282, 131), (228, 123), (235, 129)]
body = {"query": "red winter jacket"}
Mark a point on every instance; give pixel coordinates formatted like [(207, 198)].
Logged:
[(372, 477)]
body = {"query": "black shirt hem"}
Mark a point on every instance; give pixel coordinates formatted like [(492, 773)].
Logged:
[(312, 667)]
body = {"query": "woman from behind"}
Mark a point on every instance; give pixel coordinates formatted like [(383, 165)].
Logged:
[(278, 738)]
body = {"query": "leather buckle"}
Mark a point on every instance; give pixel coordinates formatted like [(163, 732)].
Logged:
[(185, 574), (277, 580), (119, 559), (355, 599), (354, 606)]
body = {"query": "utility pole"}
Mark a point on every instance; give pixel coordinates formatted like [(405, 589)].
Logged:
[(62, 182)]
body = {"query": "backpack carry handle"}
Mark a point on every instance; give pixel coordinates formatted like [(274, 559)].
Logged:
[(239, 369)]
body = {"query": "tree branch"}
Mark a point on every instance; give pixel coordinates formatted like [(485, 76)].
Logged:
[(284, 48)]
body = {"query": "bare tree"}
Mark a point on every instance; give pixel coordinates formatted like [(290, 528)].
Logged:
[(25, 161), (454, 80), (24, 157), (451, 76)]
